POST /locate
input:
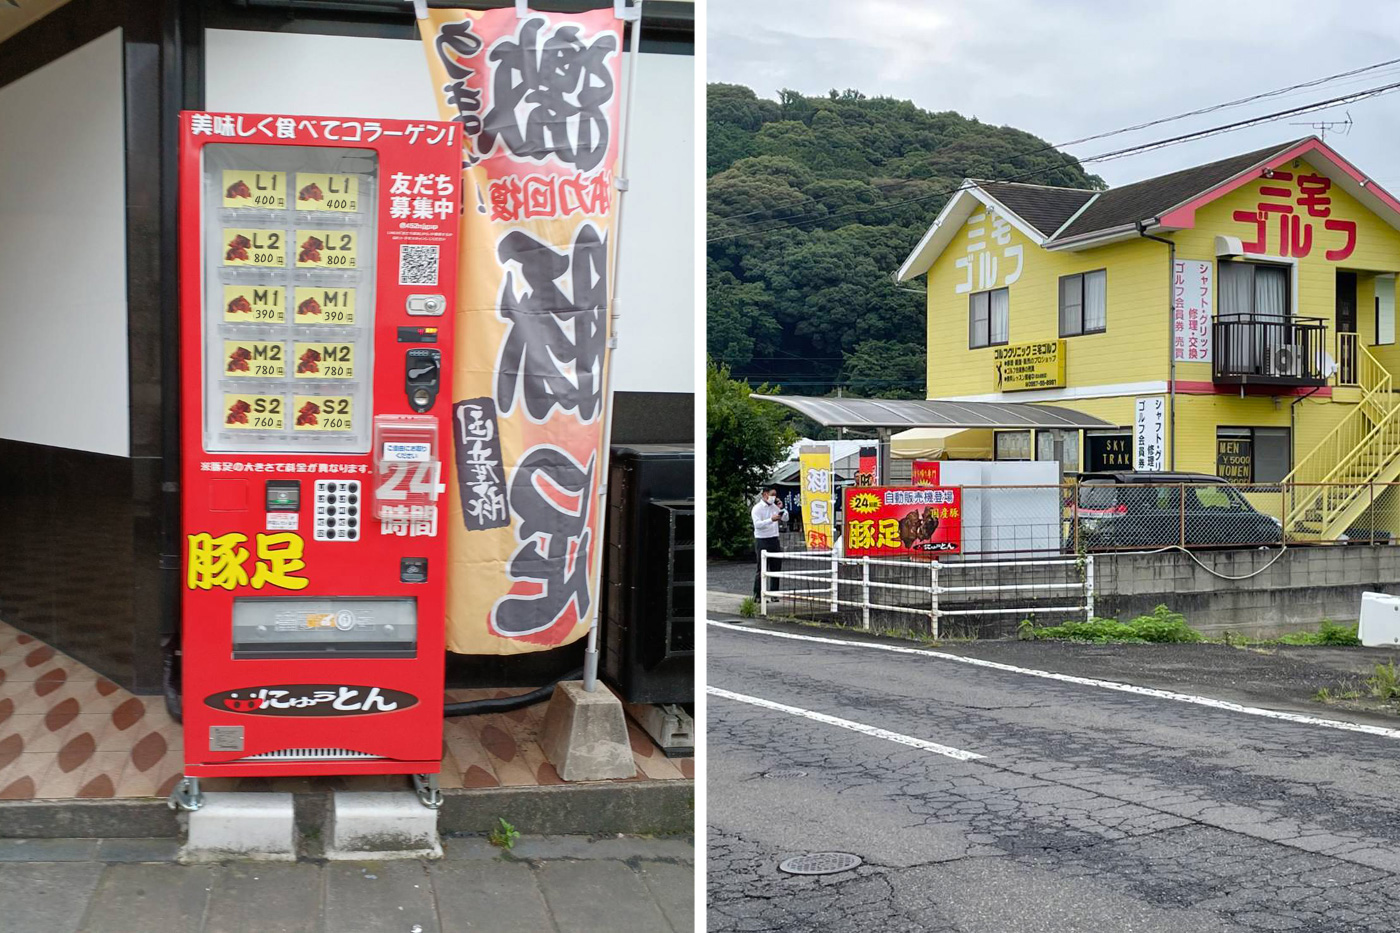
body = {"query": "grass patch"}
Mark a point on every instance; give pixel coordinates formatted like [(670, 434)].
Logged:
[(1161, 626), (748, 608), (504, 835), (1384, 684), (1328, 633)]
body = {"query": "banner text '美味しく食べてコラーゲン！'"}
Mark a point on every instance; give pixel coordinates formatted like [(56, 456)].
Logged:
[(538, 98)]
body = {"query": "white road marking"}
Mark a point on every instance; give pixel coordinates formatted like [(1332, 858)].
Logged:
[(861, 727), (1085, 681)]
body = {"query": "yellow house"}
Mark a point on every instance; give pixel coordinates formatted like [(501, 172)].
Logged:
[(1235, 318)]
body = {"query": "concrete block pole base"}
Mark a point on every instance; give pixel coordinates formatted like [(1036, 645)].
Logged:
[(239, 825), (370, 825), (585, 734)]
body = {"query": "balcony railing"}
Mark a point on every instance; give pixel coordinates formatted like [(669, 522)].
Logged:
[(1260, 350)]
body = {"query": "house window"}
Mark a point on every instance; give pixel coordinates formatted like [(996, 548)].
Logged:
[(1254, 290), (1058, 444), (1013, 445), (1252, 455), (988, 318), (1385, 310), (1084, 303)]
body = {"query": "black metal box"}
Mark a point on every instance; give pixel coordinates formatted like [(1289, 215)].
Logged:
[(649, 574)]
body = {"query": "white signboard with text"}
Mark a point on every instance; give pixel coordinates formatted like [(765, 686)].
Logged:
[(1192, 306), (1149, 434)]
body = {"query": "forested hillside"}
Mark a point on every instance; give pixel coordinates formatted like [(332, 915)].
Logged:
[(813, 203)]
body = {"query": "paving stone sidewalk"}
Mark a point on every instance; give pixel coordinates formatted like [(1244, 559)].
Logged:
[(546, 884)]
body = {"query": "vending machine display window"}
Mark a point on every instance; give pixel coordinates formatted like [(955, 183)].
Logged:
[(289, 273), (344, 627)]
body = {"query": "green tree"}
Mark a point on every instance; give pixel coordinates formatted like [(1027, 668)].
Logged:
[(745, 440), (813, 204), (739, 322), (885, 369)]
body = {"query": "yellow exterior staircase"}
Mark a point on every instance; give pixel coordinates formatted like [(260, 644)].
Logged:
[(1330, 489)]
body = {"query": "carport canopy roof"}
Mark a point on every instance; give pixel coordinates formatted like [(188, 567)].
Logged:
[(901, 414)]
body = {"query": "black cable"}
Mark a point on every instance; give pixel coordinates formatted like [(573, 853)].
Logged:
[(467, 708), (506, 704)]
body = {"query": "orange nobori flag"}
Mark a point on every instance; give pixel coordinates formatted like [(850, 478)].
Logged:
[(539, 102)]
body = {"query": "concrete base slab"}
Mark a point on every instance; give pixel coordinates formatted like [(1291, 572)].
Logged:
[(669, 726), (585, 734), (380, 825), (239, 825)]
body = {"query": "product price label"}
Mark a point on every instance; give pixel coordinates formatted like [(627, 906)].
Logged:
[(325, 360), (253, 412), (255, 189), (322, 413), (326, 249), (244, 247), (325, 305), (254, 304), (258, 359), (327, 192)]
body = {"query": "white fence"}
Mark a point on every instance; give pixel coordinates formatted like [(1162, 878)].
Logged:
[(822, 584)]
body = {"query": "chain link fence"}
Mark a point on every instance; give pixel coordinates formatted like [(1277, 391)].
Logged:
[(1023, 522)]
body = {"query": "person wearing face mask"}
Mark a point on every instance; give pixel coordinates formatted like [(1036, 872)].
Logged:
[(766, 514)]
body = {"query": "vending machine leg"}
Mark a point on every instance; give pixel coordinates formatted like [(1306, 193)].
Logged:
[(426, 787), (186, 795)]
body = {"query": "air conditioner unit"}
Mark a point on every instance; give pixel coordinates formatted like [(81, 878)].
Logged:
[(1228, 247), (1286, 360)]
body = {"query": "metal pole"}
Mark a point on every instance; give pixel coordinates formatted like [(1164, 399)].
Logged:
[(933, 597), (1089, 588), (1142, 226), (1181, 504), (763, 582), (590, 657), (865, 593), (835, 577)]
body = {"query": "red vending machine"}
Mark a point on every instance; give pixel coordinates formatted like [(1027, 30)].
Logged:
[(318, 275)]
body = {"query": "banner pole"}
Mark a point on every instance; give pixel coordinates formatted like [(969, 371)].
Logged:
[(632, 15)]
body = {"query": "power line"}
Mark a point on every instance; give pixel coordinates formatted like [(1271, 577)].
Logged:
[(1102, 157), (1234, 103), (1129, 129)]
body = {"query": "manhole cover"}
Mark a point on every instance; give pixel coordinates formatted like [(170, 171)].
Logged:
[(819, 863), (785, 773)]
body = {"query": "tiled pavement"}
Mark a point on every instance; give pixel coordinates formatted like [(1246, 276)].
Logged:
[(560, 884), (66, 732)]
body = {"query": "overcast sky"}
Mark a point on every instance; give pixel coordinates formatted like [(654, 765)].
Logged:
[(1071, 68)]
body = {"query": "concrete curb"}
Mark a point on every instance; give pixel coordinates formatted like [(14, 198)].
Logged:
[(630, 807), (124, 818)]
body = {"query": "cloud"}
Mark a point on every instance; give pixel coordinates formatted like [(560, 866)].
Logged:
[(1071, 68)]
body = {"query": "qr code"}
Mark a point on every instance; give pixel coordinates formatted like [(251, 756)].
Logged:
[(418, 264)]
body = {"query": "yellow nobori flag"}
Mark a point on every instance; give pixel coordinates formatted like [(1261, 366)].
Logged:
[(816, 482)]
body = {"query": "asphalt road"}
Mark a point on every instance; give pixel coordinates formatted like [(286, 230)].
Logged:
[(1090, 809)]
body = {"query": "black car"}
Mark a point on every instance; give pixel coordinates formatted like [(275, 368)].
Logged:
[(1160, 509)]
